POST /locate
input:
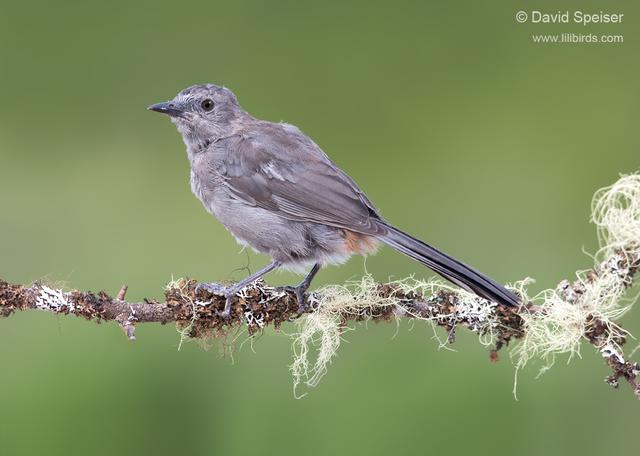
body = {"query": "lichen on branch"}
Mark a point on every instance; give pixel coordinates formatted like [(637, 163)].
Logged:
[(552, 323)]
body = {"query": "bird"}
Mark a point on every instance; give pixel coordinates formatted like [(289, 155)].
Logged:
[(275, 190)]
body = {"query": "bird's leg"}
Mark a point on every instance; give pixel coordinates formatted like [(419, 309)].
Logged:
[(230, 292), (302, 288)]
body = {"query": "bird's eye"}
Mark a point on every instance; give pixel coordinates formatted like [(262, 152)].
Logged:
[(207, 104)]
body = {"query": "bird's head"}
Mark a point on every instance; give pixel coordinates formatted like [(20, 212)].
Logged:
[(203, 113)]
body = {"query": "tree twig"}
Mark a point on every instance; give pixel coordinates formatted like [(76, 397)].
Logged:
[(259, 305)]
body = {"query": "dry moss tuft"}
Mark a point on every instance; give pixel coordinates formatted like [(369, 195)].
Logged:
[(319, 334), (550, 324), (591, 304)]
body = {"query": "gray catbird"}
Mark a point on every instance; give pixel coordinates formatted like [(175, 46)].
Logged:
[(276, 191)]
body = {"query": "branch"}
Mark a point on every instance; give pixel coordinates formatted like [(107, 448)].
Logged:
[(550, 324), (260, 305), (256, 306)]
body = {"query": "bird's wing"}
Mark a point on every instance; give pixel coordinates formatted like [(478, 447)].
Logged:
[(282, 170)]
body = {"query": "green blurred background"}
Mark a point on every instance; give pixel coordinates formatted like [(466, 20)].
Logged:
[(463, 132)]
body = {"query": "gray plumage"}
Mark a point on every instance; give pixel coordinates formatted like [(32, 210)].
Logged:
[(276, 191)]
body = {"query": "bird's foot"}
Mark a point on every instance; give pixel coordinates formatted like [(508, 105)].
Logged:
[(299, 291), (227, 292), (226, 313)]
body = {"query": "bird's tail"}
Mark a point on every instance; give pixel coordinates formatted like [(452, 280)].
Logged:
[(448, 267)]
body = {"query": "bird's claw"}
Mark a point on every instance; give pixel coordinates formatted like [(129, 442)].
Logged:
[(225, 314), (220, 290), (300, 295), (229, 293)]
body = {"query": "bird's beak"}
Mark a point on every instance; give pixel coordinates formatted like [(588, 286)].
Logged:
[(167, 108)]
